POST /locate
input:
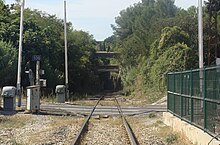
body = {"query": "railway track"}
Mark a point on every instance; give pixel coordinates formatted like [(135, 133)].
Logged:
[(84, 128)]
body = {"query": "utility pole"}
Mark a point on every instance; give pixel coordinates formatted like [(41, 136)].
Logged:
[(20, 54), (200, 32), (66, 55), (200, 40)]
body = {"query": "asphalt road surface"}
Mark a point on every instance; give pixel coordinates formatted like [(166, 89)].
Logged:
[(106, 110)]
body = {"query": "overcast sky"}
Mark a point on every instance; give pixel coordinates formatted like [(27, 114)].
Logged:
[(93, 16)]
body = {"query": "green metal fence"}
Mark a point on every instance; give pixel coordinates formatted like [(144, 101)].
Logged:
[(194, 96)]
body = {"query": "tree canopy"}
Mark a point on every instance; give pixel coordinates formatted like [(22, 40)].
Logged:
[(44, 35), (154, 38)]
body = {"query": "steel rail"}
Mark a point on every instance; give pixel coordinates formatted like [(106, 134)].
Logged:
[(130, 133), (84, 128), (85, 125)]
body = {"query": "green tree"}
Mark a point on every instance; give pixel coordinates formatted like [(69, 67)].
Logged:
[(147, 34), (43, 35), (8, 64)]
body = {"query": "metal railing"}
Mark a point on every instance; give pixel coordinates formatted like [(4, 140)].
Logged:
[(194, 96)]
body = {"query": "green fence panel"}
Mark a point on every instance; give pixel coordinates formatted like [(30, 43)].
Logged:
[(195, 96)]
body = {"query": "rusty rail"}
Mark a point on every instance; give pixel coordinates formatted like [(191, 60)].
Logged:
[(85, 125)]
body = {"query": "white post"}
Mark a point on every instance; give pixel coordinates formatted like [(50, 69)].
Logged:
[(20, 54), (200, 31), (200, 38), (66, 56)]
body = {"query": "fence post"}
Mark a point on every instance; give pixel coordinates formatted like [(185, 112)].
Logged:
[(174, 90), (181, 93), (214, 85), (168, 88), (204, 97), (191, 95)]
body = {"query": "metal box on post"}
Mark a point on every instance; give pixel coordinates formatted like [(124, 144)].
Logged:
[(33, 98), (9, 98), (60, 93)]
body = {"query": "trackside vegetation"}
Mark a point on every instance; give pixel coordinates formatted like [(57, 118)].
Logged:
[(153, 37)]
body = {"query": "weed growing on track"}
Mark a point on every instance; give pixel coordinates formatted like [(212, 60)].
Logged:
[(171, 138), (152, 115)]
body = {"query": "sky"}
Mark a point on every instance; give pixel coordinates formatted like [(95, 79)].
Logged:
[(93, 16)]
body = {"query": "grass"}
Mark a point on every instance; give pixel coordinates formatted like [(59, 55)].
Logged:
[(51, 99), (13, 121), (132, 100), (154, 95), (73, 98), (172, 138), (78, 97)]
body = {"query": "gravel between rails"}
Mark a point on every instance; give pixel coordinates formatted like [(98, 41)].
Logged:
[(108, 131), (39, 130)]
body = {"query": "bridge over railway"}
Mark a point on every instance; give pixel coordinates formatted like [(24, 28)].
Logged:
[(107, 54), (106, 67)]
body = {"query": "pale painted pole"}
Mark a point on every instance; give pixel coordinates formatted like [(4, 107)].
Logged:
[(20, 54), (200, 40), (66, 55), (200, 31)]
